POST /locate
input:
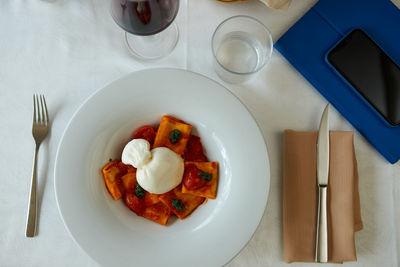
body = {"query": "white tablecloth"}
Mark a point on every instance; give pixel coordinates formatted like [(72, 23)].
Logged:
[(68, 49)]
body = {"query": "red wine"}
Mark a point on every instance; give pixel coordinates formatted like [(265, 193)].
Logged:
[(144, 17)]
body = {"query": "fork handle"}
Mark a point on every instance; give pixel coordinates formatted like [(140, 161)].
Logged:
[(32, 209)]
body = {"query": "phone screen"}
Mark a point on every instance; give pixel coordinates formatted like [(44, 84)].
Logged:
[(370, 71)]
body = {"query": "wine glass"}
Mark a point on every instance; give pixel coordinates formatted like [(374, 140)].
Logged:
[(150, 31)]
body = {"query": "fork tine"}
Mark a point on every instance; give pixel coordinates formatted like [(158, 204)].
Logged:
[(34, 108), (38, 118), (45, 110), (42, 118)]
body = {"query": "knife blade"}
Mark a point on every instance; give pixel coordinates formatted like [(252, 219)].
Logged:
[(323, 149), (321, 248)]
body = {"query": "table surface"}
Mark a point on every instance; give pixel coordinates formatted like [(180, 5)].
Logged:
[(69, 49)]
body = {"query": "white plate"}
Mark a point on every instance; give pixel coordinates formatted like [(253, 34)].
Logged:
[(113, 235)]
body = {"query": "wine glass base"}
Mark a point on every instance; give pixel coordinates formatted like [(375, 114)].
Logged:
[(153, 46)]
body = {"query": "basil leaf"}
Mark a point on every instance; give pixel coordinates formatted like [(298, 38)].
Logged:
[(177, 204), (139, 192), (174, 136), (205, 176)]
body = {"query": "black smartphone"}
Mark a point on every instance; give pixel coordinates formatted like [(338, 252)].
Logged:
[(370, 71)]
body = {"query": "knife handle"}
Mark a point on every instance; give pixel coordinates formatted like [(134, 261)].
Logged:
[(321, 248)]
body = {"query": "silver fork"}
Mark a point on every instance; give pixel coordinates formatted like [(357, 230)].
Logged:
[(40, 128)]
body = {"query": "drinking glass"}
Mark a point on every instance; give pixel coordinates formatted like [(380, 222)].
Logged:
[(241, 46), (150, 31)]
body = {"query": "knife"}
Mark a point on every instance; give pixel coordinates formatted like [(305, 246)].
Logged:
[(321, 243)]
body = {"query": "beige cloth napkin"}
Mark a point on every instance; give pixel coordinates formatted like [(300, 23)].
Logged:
[(300, 194)]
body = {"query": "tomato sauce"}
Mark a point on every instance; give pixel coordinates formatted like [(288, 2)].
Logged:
[(146, 132), (134, 203), (194, 150)]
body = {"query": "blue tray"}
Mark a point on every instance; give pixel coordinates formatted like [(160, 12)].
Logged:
[(306, 44)]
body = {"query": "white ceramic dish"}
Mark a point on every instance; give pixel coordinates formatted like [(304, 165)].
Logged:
[(113, 235)]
